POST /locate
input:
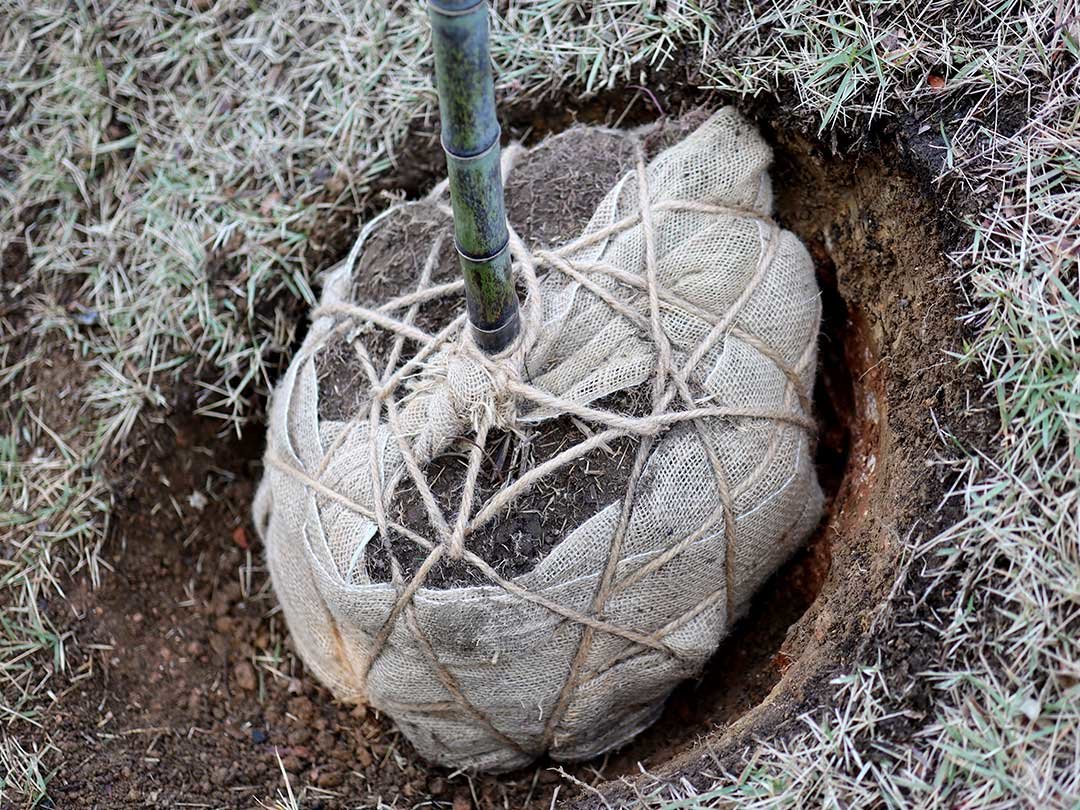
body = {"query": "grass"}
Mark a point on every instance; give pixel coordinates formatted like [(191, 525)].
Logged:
[(166, 172), (23, 775), (286, 800)]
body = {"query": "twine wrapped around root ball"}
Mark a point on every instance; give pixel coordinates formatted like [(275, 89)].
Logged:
[(682, 286)]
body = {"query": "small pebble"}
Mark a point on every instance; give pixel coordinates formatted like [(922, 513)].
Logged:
[(244, 674), (330, 779), (363, 756), (299, 736)]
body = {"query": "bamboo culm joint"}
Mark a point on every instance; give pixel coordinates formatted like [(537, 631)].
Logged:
[(470, 138)]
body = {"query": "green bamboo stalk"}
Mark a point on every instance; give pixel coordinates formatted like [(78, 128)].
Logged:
[(470, 138)]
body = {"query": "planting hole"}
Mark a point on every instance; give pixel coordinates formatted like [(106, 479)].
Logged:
[(191, 594)]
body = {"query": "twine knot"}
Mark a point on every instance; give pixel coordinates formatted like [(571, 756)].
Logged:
[(479, 389)]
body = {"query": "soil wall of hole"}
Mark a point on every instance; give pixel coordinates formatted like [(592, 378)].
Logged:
[(184, 687)]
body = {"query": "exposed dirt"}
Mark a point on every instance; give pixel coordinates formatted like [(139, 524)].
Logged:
[(514, 541), (185, 689)]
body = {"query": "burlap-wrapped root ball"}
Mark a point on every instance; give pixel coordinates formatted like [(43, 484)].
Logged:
[(526, 554)]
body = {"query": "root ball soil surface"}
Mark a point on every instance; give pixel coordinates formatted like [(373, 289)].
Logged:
[(549, 200), (185, 690)]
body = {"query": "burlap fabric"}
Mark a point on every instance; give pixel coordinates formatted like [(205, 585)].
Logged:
[(682, 283)]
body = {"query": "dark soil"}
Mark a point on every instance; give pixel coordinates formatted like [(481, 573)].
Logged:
[(181, 687), (514, 541)]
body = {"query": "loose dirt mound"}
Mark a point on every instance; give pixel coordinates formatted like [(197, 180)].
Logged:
[(187, 691)]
